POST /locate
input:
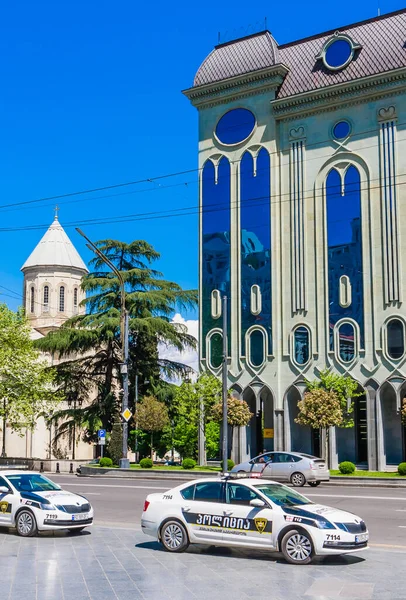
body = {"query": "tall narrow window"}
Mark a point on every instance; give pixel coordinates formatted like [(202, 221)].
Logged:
[(215, 243), (346, 340), (255, 240), (75, 300), (344, 238), (395, 338), (46, 298), (62, 299), (32, 299), (302, 345)]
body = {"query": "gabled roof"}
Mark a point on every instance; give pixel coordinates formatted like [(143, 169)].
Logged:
[(55, 250), (382, 42)]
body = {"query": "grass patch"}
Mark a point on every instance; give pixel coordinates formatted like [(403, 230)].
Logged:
[(369, 474), (176, 468)]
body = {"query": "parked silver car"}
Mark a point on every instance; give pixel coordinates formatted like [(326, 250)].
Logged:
[(296, 467)]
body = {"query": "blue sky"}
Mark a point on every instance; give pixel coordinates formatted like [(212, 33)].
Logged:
[(91, 97)]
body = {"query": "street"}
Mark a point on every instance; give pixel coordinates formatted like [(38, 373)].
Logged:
[(120, 501), (114, 560)]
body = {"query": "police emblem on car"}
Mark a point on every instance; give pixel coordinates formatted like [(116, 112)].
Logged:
[(31, 502), (250, 513)]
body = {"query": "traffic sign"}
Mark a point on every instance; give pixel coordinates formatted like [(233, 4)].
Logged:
[(101, 433), (102, 441), (127, 414)]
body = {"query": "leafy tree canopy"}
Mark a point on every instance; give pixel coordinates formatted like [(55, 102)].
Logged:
[(27, 389), (345, 388)]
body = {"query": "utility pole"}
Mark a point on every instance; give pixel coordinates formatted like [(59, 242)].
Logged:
[(136, 420), (225, 386), (124, 462)]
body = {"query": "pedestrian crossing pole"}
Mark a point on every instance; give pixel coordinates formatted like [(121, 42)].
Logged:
[(225, 385)]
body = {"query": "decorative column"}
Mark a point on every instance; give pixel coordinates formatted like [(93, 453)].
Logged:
[(297, 145), (389, 203)]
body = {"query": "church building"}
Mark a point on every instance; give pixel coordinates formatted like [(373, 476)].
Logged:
[(302, 164), (52, 294)]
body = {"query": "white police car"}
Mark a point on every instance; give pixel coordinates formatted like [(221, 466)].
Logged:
[(251, 513), (30, 502)]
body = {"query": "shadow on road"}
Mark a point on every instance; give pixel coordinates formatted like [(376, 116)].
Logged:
[(260, 555)]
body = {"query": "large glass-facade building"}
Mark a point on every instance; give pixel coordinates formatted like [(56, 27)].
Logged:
[(303, 227)]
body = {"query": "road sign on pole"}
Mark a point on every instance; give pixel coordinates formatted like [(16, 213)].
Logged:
[(101, 433)]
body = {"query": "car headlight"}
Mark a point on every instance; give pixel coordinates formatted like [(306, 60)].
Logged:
[(325, 525), (47, 506)]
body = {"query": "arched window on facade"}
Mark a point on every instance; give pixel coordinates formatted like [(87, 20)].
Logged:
[(75, 300), (346, 340), (395, 338), (62, 299), (216, 350), (32, 299), (301, 339), (257, 348), (46, 298)]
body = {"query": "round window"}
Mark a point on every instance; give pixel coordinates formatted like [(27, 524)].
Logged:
[(341, 130), (338, 53), (235, 126)]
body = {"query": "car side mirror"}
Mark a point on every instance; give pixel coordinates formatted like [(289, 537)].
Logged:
[(4, 489), (257, 503)]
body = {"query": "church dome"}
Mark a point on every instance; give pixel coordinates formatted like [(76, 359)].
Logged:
[(255, 52), (55, 250)]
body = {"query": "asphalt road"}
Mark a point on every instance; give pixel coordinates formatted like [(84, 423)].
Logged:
[(119, 502)]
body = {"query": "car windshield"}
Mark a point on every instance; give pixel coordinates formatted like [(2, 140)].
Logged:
[(25, 482), (282, 495)]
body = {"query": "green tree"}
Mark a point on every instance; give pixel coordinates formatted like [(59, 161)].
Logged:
[(152, 417), (403, 412), (320, 409), (94, 338), (115, 446), (187, 400), (344, 387), (27, 389)]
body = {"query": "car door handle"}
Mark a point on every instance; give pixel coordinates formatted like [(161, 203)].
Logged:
[(186, 508), (227, 513)]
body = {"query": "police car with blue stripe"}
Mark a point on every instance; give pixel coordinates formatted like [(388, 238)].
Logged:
[(31, 502), (250, 512)]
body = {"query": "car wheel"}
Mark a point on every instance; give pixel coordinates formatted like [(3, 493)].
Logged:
[(298, 479), (297, 547), (77, 530), (174, 537), (314, 483), (26, 523)]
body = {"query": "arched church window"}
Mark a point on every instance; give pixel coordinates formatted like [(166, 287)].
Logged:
[(62, 299), (32, 299), (75, 300), (46, 298), (302, 345), (395, 338)]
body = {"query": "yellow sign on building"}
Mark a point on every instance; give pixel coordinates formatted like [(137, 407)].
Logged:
[(268, 433)]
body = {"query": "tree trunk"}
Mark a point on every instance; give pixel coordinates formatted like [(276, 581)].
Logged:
[(152, 445), (326, 434)]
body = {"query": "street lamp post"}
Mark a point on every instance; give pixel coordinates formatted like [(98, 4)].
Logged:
[(70, 403), (124, 462)]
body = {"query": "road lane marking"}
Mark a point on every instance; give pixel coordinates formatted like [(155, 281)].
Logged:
[(355, 497)]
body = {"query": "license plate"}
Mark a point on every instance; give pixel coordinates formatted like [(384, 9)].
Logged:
[(359, 539), (80, 517)]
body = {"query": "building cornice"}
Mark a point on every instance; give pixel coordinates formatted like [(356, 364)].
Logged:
[(226, 90), (350, 92)]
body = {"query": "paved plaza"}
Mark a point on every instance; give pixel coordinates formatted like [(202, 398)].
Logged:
[(107, 563)]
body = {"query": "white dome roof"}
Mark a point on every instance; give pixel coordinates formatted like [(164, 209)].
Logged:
[(55, 250)]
